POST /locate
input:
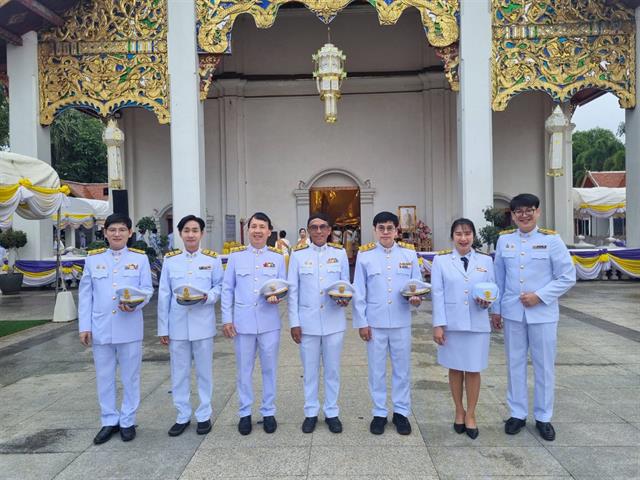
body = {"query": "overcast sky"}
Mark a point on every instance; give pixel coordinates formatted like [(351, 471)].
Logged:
[(603, 112)]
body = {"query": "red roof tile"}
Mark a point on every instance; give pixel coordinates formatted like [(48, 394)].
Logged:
[(95, 191), (605, 179)]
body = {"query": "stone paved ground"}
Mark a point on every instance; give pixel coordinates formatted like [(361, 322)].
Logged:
[(49, 414)]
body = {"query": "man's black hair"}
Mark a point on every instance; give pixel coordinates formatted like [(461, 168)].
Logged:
[(190, 218), (384, 217), (282, 234), (118, 218), (463, 222), (524, 200), (319, 215), (260, 216)]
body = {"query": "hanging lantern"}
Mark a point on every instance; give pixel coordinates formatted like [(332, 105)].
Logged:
[(556, 126), (329, 72)]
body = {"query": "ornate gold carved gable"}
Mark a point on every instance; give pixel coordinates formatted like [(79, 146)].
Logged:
[(108, 55), (561, 47), (439, 17)]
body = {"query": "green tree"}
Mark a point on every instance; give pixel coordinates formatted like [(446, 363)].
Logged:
[(77, 150), (4, 120), (597, 149)]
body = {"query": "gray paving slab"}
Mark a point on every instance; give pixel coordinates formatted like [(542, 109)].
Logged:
[(48, 406), (598, 462), (34, 466)]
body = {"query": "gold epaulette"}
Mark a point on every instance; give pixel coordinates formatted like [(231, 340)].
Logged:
[(410, 246), (300, 247), (209, 253), (335, 245), (97, 251), (173, 253), (508, 230), (446, 251), (367, 247), (238, 249), (137, 250), (547, 231), (276, 250)]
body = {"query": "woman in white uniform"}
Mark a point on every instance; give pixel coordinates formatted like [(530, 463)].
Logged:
[(461, 325)]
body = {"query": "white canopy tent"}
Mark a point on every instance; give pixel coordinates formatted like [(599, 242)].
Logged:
[(31, 188), (28, 187), (83, 212), (601, 202)]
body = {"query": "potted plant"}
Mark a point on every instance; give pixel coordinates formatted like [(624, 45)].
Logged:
[(11, 240), (490, 232)]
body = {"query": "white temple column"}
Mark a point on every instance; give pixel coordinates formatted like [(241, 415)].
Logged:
[(560, 169), (475, 139), (187, 121), (27, 136), (632, 154), (232, 150)]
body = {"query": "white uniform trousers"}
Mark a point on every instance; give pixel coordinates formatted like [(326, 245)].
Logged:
[(397, 342), (267, 345), (182, 351), (541, 339), (129, 357), (329, 347)]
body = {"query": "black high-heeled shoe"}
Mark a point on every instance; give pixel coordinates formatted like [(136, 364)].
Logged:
[(472, 432), (459, 427)]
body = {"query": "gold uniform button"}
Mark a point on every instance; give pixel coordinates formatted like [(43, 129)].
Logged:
[(255, 291), (321, 279), (321, 306), (257, 267), (521, 266), (389, 301), (114, 284), (388, 279), (255, 279), (389, 290), (115, 270), (388, 256), (466, 291), (521, 281), (466, 303), (255, 304), (113, 311), (113, 298), (388, 267), (522, 254)]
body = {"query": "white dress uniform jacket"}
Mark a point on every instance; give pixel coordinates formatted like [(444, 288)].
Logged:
[(247, 269), (537, 262), (451, 292), (381, 274), (311, 270), (104, 272), (201, 269)]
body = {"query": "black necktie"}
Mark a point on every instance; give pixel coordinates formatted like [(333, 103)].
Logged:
[(465, 261)]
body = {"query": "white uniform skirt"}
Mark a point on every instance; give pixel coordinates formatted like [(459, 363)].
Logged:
[(466, 351)]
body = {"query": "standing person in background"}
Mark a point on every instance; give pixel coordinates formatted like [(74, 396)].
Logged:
[(253, 320), (303, 238), (533, 269), (318, 322), (461, 324)]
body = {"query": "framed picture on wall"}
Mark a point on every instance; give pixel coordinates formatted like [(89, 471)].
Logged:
[(407, 217)]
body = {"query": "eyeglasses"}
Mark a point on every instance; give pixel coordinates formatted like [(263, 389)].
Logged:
[(388, 228), (317, 228), (521, 212)]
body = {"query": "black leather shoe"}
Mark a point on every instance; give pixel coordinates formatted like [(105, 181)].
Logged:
[(269, 424), (546, 430), (244, 425), (178, 428), (335, 425), (128, 433), (377, 425), (459, 427), (403, 427), (309, 424), (105, 434), (514, 425), (203, 427), (472, 433)]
